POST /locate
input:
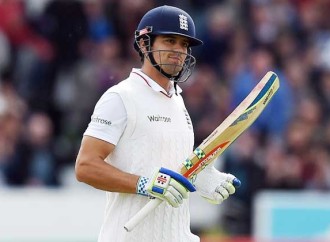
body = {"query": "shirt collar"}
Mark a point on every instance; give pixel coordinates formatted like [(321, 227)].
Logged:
[(155, 86)]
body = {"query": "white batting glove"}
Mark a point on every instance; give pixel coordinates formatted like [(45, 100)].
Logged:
[(166, 185), (215, 186)]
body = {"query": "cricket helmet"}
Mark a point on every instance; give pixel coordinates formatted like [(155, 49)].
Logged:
[(167, 20)]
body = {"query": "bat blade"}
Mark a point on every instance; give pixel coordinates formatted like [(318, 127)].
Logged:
[(221, 138), (234, 125)]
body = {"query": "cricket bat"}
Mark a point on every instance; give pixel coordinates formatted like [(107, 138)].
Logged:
[(220, 139)]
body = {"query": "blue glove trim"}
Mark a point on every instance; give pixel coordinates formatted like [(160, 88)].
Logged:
[(158, 190), (236, 182), (184, 181)]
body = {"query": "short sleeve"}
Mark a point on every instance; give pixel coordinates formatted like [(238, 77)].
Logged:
[(109, 119)]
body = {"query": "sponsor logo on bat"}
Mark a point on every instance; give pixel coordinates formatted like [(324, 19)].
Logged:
[(243, 116), (208, 157), (210, 137), (268, 96), (205, 162)]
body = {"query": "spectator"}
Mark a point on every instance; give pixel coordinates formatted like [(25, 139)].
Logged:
[(261, 60), (62, 56), (34, 162)]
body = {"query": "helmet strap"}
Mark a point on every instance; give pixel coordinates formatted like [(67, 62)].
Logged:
[(157, 66), (149, 54)]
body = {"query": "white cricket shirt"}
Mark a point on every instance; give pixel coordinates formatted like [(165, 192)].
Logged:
[(154, 130), (110, 108)]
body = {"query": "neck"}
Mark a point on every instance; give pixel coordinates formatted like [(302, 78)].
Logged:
[(155, 75)]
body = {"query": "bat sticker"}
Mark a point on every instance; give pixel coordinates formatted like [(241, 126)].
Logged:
[(242, 117)]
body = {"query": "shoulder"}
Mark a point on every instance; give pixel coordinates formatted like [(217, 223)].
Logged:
[(126, 85)]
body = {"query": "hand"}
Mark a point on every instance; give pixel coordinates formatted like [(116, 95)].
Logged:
[(166, 185), (214, 185)]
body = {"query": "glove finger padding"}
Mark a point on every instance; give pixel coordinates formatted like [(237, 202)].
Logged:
[(180, 190), (222, 191), (170, 186), (175, 194), (217, 198), (229, 187), (214, 186), (172, 197)]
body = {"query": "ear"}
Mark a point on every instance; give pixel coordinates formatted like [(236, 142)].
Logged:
[(142, 45)]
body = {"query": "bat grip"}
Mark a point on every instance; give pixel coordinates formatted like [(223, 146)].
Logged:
[(137, 218)]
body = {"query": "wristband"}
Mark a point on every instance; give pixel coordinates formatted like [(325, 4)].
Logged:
[(141, 186)]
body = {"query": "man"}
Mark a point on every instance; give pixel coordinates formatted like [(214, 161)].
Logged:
[(140, 132)]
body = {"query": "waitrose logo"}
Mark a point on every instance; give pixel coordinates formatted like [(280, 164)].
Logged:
[(158, 118), (101, 121)]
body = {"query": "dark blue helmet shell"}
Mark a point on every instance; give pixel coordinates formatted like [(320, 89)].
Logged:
[(168, 20)]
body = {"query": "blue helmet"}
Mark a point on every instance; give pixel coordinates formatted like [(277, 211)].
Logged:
[(168, 20)]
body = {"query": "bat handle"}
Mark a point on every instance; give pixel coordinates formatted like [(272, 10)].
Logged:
[(137, 218)]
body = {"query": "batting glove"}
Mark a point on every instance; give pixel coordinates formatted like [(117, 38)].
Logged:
[(214, 185), (166, 185)]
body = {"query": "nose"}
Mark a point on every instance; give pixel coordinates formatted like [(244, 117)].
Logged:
[(181, 48), (177, 54), (180, 52)]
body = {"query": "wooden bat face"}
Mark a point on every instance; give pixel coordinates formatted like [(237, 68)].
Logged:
[(234, 125)]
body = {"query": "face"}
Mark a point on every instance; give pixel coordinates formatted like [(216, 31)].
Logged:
[(170, 52)]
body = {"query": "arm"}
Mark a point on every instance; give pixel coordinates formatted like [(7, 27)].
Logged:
[(92, 169)]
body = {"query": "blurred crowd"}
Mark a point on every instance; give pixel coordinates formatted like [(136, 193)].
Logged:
[(58, 57)]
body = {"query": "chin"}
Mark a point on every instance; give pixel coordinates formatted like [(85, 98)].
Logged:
[(173, 73)]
